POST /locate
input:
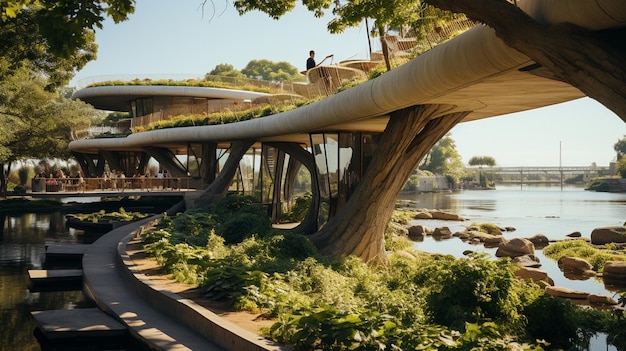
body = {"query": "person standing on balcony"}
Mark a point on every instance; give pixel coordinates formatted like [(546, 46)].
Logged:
[(310, 62)]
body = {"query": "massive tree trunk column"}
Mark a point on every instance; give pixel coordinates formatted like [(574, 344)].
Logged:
[(594, 62), (218, 189), (358, 229)]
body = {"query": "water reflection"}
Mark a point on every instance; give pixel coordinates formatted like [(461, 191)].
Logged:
[(22, 247)]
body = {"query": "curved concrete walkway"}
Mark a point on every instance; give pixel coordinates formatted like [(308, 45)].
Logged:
[(158, 318)]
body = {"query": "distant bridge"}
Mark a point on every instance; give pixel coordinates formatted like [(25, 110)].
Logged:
[(534, 174)]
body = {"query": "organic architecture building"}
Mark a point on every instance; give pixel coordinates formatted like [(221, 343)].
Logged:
[(333, 139)]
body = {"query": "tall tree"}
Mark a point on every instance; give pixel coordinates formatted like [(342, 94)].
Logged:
[(415, 14), (594, 62), (271, 71), (620, 148), (444, 159), (54, 38), (482, 161), (386, 13), (358, 229), (65, 25), (225, 70), (36, 123)]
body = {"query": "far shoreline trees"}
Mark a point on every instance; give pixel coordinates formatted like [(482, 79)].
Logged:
[(260, 69), (620, 149)]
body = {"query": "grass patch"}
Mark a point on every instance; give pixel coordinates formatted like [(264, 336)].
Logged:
[(489, 228), (596, 256)]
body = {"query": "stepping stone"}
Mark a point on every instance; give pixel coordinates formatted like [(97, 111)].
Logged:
[(84, 322)]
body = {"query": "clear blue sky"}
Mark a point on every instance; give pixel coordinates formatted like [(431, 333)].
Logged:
[(178, 37)]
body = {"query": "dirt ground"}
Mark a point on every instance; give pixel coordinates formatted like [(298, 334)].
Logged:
[(149, 267)]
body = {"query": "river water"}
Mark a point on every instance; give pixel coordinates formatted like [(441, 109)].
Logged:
[(22, 247), (531, 210)]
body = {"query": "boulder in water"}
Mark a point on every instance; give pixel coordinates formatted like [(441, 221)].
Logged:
[(605, 235), (516, 247)]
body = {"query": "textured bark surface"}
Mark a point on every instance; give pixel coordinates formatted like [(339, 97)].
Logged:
[(358, 229), (593, 62), (218, 189)]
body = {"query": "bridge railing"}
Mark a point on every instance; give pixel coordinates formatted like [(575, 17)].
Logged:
[(55, 185)]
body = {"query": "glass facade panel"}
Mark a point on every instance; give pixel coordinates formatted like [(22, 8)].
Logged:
[(341, 159), (141, 107), (268, 160)]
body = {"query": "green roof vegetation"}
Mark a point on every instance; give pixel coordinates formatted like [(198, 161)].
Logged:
[(223, 117), (246, 84)]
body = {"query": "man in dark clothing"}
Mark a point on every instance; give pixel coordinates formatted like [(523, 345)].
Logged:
[(310, 62)]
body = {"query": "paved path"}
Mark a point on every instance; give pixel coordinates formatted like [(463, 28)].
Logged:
[(157, 317), (105, 283)]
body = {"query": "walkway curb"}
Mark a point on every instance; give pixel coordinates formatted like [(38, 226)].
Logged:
[(159, 318)]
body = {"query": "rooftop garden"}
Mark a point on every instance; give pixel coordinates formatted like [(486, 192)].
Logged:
[(224, 117), (247, 84)]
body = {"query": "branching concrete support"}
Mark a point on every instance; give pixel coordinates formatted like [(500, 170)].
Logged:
[(101, 162), (208, 168), (142, 168), (217, 189), (112, 159), (279, 164), (358, 228), (167, 160), (86, 163)]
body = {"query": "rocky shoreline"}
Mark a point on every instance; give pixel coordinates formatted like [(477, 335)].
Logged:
[(521, 251)]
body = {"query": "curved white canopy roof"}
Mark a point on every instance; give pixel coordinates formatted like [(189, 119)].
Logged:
[(473, 72)]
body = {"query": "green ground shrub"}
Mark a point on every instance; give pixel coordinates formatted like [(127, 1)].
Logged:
[(427, 302), (243, 225), (102, 216)]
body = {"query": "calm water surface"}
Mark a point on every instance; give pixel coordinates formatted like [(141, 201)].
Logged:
[(22, 247), (537, 210)]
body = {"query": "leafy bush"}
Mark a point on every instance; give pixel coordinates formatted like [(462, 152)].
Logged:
[(556, 320), (25, 173), (472, 289), (299, 210), (192, 227), (417, 301), (233, 205), (243, 225)]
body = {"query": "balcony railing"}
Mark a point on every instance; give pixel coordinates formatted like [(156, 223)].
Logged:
[(74, 185)]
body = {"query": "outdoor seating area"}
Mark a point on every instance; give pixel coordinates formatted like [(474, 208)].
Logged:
[(51, 185)]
